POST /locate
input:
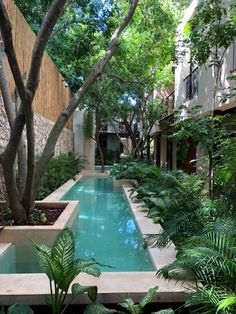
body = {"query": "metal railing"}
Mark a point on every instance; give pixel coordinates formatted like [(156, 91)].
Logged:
[(169, 104), (191, 84)]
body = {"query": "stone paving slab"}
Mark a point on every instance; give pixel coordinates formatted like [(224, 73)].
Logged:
[(112, 287)]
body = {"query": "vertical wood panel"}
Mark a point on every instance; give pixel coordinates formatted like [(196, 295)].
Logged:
[(52, 95)]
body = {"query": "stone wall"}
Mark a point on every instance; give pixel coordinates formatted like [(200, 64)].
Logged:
[(42, 129)]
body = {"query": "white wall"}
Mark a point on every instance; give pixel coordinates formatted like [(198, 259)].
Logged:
[(206, 78), (78, 121), (82, 145)]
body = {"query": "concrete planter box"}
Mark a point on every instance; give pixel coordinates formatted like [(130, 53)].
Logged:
[(22, 235), (17, 242), (118, 183)]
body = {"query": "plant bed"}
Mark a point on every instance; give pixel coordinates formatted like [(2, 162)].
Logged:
[(66, 213), (44, 216)]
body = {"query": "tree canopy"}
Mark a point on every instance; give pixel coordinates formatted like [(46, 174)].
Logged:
[(83, 30)]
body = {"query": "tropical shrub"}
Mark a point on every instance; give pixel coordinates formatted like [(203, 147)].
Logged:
[(61, 267), (208, 261), (138, 171), (59, 170), (59, 264), (128, 305), (202, 228)]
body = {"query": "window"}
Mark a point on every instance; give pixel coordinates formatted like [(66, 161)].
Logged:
[(234, 56), (191, 84)]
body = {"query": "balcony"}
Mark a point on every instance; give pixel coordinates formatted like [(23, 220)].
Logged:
[(169, 104), (191, 84)]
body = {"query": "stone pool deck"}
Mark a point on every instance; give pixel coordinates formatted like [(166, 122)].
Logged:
[(112, 287)]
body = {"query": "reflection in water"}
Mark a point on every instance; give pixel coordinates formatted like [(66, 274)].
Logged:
[(110, 234)]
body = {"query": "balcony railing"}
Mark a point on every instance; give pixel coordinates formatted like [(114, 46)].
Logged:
[(169, 104), (191, 84)]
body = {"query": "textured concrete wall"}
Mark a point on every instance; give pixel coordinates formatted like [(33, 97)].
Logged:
[(42, 129)]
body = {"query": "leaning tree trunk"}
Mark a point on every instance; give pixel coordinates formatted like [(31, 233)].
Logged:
[(101, 154)]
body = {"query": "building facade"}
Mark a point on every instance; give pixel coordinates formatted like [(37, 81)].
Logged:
[(202, 87)]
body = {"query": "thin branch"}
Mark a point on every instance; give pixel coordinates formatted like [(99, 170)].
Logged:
[(123, 80), (112, 120), (43, 36)]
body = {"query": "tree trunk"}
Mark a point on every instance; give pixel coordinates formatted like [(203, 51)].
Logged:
[(210, 174), (100, 153), (14, 197)]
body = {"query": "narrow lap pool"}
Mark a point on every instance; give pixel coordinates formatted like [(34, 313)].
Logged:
[(106, 229)]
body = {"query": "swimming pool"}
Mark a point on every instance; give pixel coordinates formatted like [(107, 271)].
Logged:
[(106, 228)]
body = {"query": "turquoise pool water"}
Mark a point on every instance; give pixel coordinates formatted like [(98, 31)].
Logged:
[(106, 229)]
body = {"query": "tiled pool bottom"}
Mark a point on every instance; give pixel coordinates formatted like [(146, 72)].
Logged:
[(112, 287)]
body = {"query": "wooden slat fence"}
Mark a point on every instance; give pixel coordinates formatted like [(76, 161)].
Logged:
[(52, 94)]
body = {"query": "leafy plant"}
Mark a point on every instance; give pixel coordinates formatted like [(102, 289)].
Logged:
[(59, 170), (137, 308), (18, 309), (209, 262), (128, 305), (61, 268)]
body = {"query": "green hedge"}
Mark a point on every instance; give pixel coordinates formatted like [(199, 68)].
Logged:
[(59, 170)]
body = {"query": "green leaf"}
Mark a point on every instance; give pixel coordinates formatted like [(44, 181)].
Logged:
[(43, 253), (49, 265), (2, 311), (167, 311), (81, 263), (77, 289), (19, 309), (64, 248), (187, 29), (96, 272), (227, 302), (98, 309), (126, 303), (158, 220), (149, 296), (136, 309), (67, 277)]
